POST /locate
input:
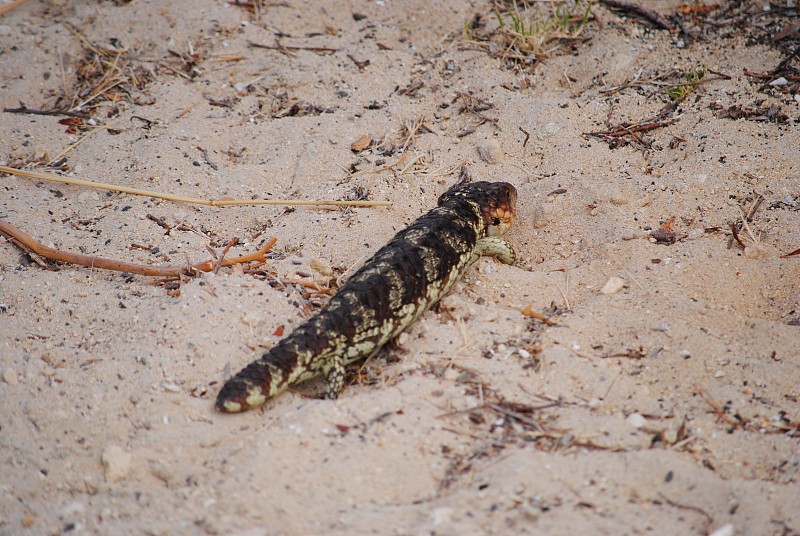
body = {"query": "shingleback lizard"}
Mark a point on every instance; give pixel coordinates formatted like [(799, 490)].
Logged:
[(393, 288)]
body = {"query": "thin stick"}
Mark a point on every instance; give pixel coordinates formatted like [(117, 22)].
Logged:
[(197, 201), (735, 232), (25, 110), (656, 18), (746, 226), (710, 401), (281, 47), (566, 300), (24, 241), (8, 7), (795, 252), (623, 131), (528, 311)]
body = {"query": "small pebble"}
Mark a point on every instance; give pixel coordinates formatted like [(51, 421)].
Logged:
[(171, 387), (548, 130), (322, 266), (162, 471), (724, 530), (451, 374), (441, 516), (541, 216), (10, 376), (490, 151), (755, 251), (719, 374), (403, 338), (636, 420), (612, 286), (782, 81), (117, 463), (28, 520), (694, 234)]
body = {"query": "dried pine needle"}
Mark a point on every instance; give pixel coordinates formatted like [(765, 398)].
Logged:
[(224, 202)]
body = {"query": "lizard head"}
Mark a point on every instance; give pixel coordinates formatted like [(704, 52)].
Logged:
[(496, 202)]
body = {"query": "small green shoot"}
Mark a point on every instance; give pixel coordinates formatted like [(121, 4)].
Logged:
[(692, 80), (534, 33)]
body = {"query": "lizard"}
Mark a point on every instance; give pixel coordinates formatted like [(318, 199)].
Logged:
[(402, 280)]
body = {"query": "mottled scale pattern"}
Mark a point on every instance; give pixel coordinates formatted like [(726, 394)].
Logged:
[(393, 288)]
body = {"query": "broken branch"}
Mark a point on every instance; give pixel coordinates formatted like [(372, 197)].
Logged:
[(29, 244)]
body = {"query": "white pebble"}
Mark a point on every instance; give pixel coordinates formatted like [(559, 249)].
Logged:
[(10, 376), (451, 374), (117, 463), (490, 151), (694, 234), (636, 420), (724, 530), (719, 374), (782, 81), (548, 130), (442, 515), (162, 471), (612, 286)]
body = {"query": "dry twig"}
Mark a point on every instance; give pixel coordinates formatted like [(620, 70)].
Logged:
[(648, 14), (29, 244)]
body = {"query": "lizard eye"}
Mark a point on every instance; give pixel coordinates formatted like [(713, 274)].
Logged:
[(496, 221)]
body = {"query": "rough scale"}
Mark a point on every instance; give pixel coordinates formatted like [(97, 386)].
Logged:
[(393, 288)]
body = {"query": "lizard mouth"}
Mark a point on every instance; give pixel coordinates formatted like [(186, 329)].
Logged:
[(500, 214), (499, 221)]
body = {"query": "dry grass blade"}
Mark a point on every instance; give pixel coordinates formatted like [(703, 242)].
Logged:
[(193, 200)]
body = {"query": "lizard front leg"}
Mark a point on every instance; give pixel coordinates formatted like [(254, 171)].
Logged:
[(497, 247)]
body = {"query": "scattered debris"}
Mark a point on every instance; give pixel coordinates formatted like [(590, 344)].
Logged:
[(664, 234)]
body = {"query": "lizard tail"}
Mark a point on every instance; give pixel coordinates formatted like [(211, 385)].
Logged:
[(285, 364), (259, 381)]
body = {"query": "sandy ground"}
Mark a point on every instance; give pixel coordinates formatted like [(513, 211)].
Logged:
[(668, 404)]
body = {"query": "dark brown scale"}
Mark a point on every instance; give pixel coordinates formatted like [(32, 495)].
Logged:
[(380, 299)]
